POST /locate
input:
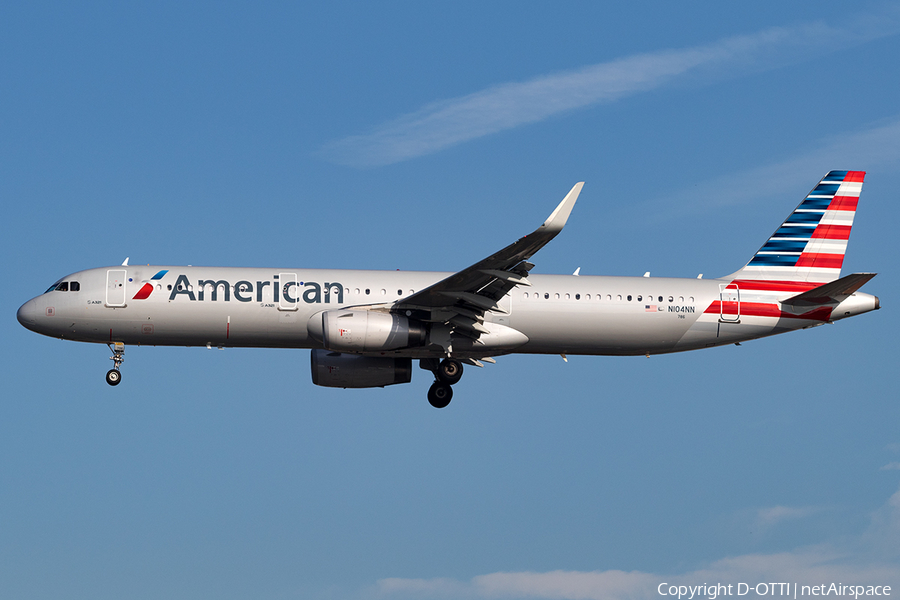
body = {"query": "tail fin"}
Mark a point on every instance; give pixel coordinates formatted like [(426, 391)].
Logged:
[(809, 246)]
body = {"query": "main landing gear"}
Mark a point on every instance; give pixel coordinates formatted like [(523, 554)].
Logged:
[(448, 372), (113, 376)]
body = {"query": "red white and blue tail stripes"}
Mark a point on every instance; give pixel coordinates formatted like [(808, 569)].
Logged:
[(810, 245)]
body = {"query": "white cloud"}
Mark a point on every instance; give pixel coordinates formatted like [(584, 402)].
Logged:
[(892, 466), (812, 566), (870, 558), (766, 517), (504, 106), (863, 150)]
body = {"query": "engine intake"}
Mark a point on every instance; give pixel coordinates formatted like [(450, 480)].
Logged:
[(333, 369), (366, 331)]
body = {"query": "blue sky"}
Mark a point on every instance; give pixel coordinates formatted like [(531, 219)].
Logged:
[(425, 136)]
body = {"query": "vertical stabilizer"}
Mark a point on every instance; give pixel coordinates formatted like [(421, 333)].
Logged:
[(810, 245)]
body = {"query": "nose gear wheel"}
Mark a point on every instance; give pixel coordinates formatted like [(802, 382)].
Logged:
[(114, 376)]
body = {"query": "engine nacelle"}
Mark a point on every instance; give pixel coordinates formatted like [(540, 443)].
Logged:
[(366, 331), (333, 369)]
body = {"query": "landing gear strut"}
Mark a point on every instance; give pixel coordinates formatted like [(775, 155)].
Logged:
[(113, 376), (448, 372)]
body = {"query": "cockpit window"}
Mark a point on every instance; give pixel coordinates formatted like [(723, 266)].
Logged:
[(64, 286)]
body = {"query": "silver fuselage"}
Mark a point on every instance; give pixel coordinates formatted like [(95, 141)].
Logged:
[(558, 314)]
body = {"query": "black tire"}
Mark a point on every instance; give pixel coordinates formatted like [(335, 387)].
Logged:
[(450, 371), (113, 377), (440, 394)]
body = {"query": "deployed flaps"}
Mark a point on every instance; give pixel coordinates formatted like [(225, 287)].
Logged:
[(508, 276)]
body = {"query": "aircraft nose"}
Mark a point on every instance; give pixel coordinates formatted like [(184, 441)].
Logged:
[(27, 314)]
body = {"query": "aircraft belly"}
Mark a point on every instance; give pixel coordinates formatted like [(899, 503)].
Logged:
[(196, 324), (710, 330), (585, 329)]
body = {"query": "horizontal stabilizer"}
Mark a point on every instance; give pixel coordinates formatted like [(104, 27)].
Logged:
[(831, 293)]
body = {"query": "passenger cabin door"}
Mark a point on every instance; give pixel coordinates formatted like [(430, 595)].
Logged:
[(115, 288), (729, 303)]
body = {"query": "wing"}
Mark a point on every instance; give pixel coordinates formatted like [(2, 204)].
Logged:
[(462, 299)]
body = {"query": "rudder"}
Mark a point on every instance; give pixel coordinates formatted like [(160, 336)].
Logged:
[(811, 243)]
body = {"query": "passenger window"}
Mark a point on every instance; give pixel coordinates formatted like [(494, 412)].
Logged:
[(578, 296), (629, 297), (367, 291), (525, 295), (546, 296), (568, 297), (681, 298), (74, 287), (671, 298), (63, 287), (640, 298), (588, 297), (556, 296), (619, 297), (692, 299), (660, 298)]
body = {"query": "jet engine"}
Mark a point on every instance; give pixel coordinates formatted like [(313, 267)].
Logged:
[(333, 369), (365, 331)]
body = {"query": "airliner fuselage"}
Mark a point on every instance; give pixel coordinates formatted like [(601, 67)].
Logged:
[(558, 314)]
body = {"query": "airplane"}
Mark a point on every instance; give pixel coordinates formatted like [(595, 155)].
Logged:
[(364, 328)]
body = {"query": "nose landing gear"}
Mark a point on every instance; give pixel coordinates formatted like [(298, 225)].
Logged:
[(113, 376), (448, 372)]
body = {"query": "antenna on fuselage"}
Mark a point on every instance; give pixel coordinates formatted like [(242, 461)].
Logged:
[(125, 264)]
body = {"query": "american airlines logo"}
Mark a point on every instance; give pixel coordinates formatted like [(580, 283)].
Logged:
[(214, 290), (147, 289)]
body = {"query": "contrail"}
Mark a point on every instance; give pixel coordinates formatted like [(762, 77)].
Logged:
[(507, 105)]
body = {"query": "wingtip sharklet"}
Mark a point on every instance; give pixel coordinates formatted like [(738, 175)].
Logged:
[(557, 219)]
